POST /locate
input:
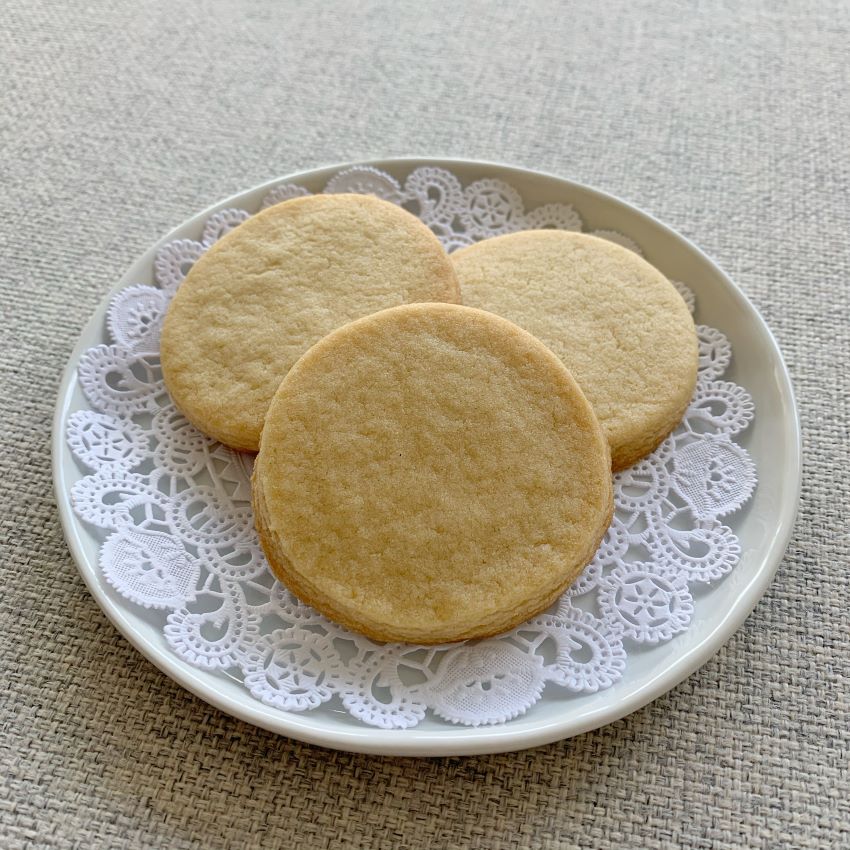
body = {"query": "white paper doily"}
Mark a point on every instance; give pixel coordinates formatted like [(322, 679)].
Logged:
[(173, 507)]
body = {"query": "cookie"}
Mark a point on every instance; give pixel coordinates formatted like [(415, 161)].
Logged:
[(617, 323), (430, 473), (268, 290)]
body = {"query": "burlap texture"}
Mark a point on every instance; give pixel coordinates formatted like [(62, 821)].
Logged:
[(119, 120)]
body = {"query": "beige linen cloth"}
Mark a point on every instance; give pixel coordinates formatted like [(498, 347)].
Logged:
[(118, 120)]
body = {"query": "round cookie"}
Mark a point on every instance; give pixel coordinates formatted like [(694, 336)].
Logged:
[(618, 324), (430, 473), (268, 290)]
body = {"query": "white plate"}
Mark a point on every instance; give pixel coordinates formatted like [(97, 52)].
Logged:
[(763, 526)]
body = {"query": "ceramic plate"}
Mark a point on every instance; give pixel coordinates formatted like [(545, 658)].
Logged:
[(763, 526)]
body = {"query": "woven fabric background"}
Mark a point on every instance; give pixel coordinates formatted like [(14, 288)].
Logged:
[(118, 120)]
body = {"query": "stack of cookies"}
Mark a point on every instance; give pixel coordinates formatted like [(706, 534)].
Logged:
[(427, 472)]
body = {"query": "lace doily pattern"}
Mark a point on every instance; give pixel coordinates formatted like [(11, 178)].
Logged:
[(172, 509)]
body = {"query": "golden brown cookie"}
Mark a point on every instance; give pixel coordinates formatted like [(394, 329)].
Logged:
[(264, 293), (430, 473), (617, 323)]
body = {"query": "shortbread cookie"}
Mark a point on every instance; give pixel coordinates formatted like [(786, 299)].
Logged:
[(430, 473), (618, 324), (263, 294)]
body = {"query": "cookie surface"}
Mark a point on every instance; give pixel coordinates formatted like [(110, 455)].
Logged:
[(430, 473), (268, 290), (618, 324)]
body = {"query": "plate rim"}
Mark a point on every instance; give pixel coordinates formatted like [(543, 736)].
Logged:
[(452, 741)]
